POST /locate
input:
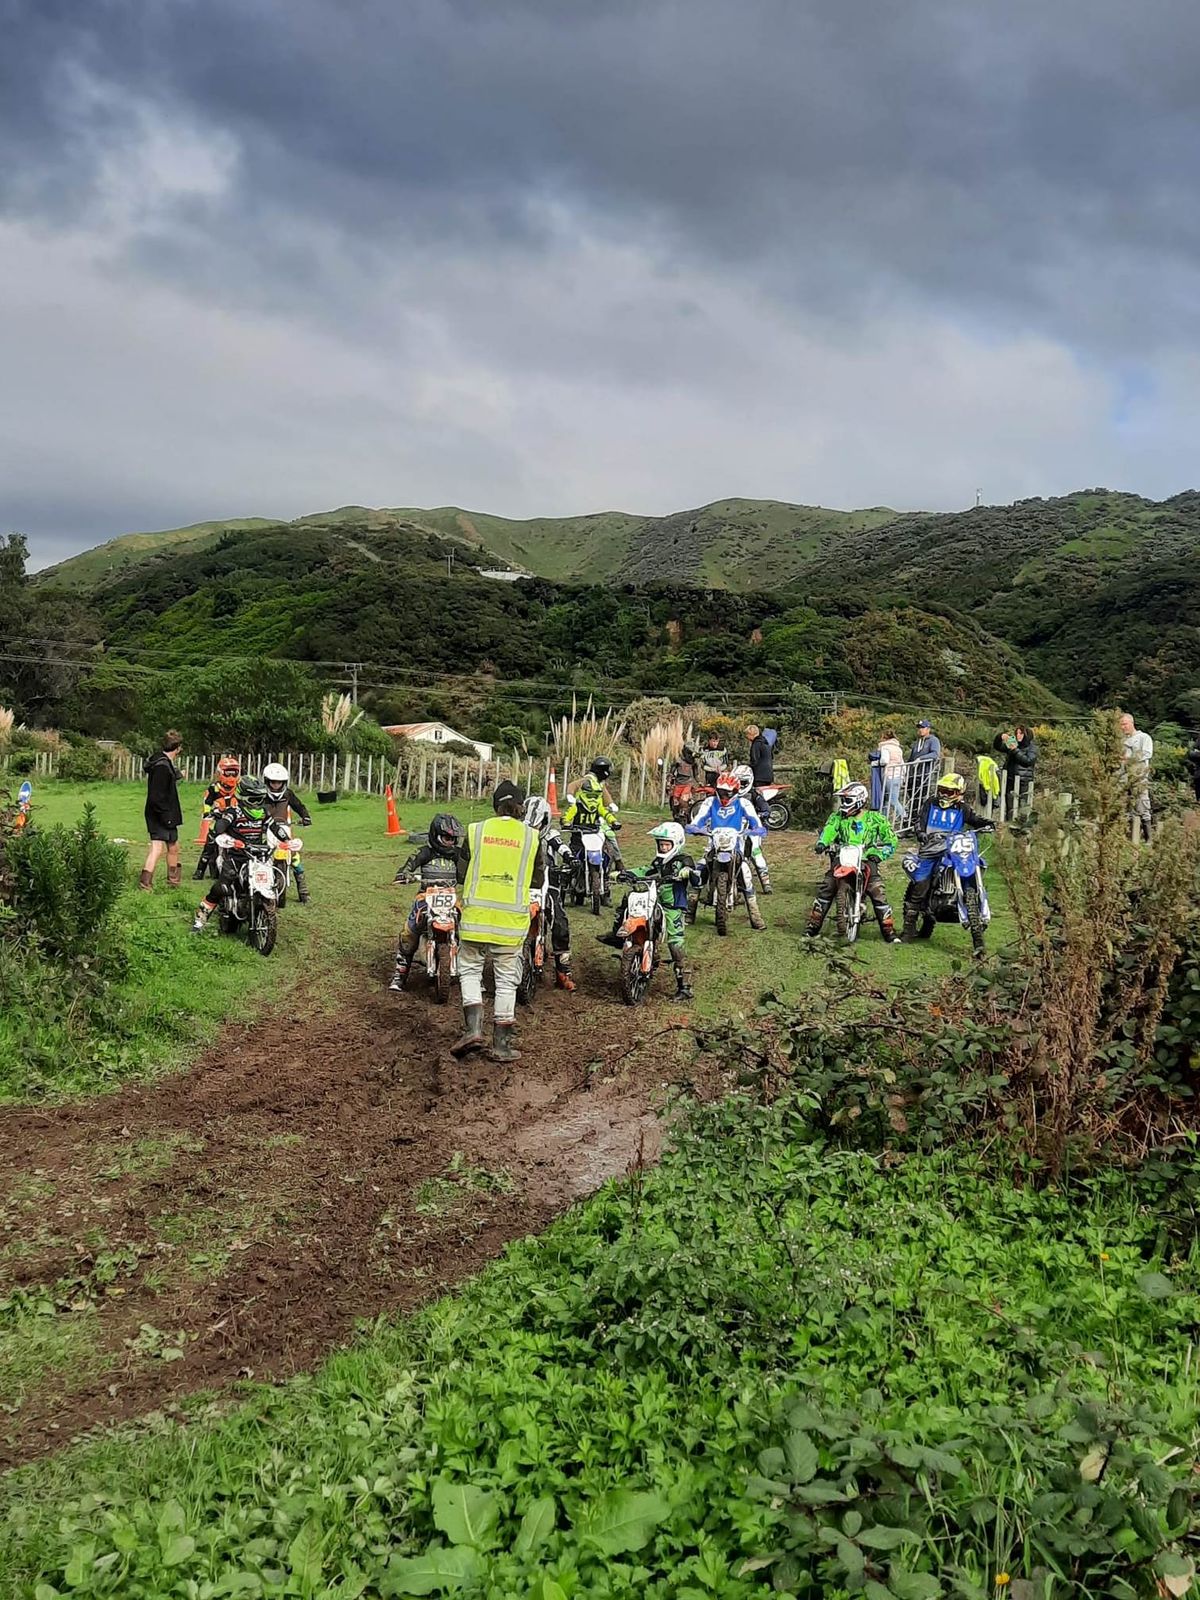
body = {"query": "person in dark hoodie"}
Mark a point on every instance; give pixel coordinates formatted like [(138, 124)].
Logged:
[(164, 817)]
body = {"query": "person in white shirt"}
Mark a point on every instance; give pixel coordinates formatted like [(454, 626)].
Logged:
[(891, 761), (1137, 754)]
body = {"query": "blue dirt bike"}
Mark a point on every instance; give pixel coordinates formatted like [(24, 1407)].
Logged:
[(955, 863)]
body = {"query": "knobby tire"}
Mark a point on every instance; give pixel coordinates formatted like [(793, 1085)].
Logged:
[(441, 977), (634, 982), (721, 892), (265, 928)]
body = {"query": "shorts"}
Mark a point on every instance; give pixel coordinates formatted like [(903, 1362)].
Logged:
[(162, 832)]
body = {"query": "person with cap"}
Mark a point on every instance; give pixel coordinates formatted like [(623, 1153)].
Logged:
[(497, 866), (925, 761)]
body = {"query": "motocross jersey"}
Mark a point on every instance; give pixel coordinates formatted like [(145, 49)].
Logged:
[(948, 819), (739, 814), (280, 810), (870, 829), (217, 798), (588, 806), (246, 828), (674, 879)]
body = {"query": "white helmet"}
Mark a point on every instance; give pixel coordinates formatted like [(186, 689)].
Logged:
[(668, 838), (537, 813), (853, 799), (276, 777), (745, 778)]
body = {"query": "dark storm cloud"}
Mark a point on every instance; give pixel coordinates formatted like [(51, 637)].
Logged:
[(1024, 155), (541, 256)]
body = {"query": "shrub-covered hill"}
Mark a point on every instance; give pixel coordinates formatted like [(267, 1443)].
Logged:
[(385, 597), (1100, 592)]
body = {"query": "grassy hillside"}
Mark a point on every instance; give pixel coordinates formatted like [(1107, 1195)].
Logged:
[(98, 565)]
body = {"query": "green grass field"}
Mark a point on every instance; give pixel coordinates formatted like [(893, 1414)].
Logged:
[(179, 988)]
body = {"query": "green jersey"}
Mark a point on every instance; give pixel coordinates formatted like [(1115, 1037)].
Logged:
[(871, 829)]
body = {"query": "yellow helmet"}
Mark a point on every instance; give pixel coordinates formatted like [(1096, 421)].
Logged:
[(951, 787)]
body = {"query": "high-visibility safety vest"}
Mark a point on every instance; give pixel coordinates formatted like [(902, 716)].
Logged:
[(495, 907)]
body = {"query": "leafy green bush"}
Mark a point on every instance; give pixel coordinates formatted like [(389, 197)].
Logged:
[(81, 762), (21, 763), (66, 882)]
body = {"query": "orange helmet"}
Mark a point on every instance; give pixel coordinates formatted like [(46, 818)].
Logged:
[(726, 786), (229, 770)]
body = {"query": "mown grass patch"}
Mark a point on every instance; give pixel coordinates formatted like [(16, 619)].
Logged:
[(764, 1362)]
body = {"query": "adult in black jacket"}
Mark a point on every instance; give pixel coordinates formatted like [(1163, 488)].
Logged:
[(762, 756), (164, 816)]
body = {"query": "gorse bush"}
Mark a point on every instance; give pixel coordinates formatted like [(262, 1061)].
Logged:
[(66, 882)]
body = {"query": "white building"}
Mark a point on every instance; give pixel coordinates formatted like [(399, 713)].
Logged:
[(437, 733)]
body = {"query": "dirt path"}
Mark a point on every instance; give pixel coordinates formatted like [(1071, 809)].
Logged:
[(236, 1220)]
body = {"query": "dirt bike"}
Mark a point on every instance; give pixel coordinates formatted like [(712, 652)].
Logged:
[(852, 874), (593, 866), (250, 902), (779, 812), (284, 873), (685, 800), (956, 864), (439, 891), (535, 956), (643, 929), (725, 868)]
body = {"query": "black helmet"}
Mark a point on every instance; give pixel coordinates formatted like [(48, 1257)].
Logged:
[(252, 796), (446, 832), (602, 767), (688, 752)]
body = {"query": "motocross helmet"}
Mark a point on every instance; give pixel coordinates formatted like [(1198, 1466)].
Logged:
[(745, 778), (951, 789), (590, 788), (602, 767), (252, 796), (276, 778), (446, 833), (537, 813), (727, 787), (229, 770), (688, 752), (852, 799), (668, 841)]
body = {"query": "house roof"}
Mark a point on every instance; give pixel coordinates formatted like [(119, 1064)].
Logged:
[(409, 730)]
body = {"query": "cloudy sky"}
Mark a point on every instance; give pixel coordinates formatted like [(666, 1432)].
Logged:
[(262, 257)]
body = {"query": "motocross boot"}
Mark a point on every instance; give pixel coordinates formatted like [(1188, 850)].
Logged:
[(764, 878), (683, 988), (203, 912), (910, 925), (562, 974), (301, 888), (816, 917), (472, 1036), (503, 1049), (400, 975), (757, 920), (146, 881), (201, 871), (888, 929)]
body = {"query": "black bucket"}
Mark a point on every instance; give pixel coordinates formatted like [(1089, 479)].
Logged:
[(327, 797)]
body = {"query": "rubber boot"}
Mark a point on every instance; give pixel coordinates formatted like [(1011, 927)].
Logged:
[(910, 925), (301, 888), (562, 975), (503, 1049), (174, 876), (472, 1036), (146, 880), (757, 920), (400, 975)]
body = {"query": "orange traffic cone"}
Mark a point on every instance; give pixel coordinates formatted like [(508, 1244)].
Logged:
[(205, 825), (552, 792), (393, 820)]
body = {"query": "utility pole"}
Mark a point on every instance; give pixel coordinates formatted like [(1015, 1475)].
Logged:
[(978, 497), (352, 667), (449, 563)]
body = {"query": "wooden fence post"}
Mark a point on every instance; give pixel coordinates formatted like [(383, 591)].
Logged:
[(626, 771), (642, 783)]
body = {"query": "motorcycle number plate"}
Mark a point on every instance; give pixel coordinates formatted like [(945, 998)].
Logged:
[(639, 905), (725, 838), (262, 878), (593, 841), (441, 900)]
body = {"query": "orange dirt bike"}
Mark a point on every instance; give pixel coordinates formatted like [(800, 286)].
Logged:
[(643, 930), (439, 892)]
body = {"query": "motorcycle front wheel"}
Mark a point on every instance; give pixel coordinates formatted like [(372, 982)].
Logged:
[(974, 916), (527, 986), (779, 814), (634, 982), (441, 976), (722, 891), (263, 927), (594, 889)]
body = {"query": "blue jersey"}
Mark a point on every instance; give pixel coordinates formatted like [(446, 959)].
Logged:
[(739, 814)]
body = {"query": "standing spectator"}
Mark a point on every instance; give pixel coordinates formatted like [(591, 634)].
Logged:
[(1137, 754), (925, 760), (497, 867), (164, 817), (713, 758), (1022, 759), (891, 761), (762, 756)]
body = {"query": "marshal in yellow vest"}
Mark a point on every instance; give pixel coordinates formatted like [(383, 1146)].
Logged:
[(499, 878)]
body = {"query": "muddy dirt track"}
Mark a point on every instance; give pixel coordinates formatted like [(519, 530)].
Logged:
[(235, 1221)]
